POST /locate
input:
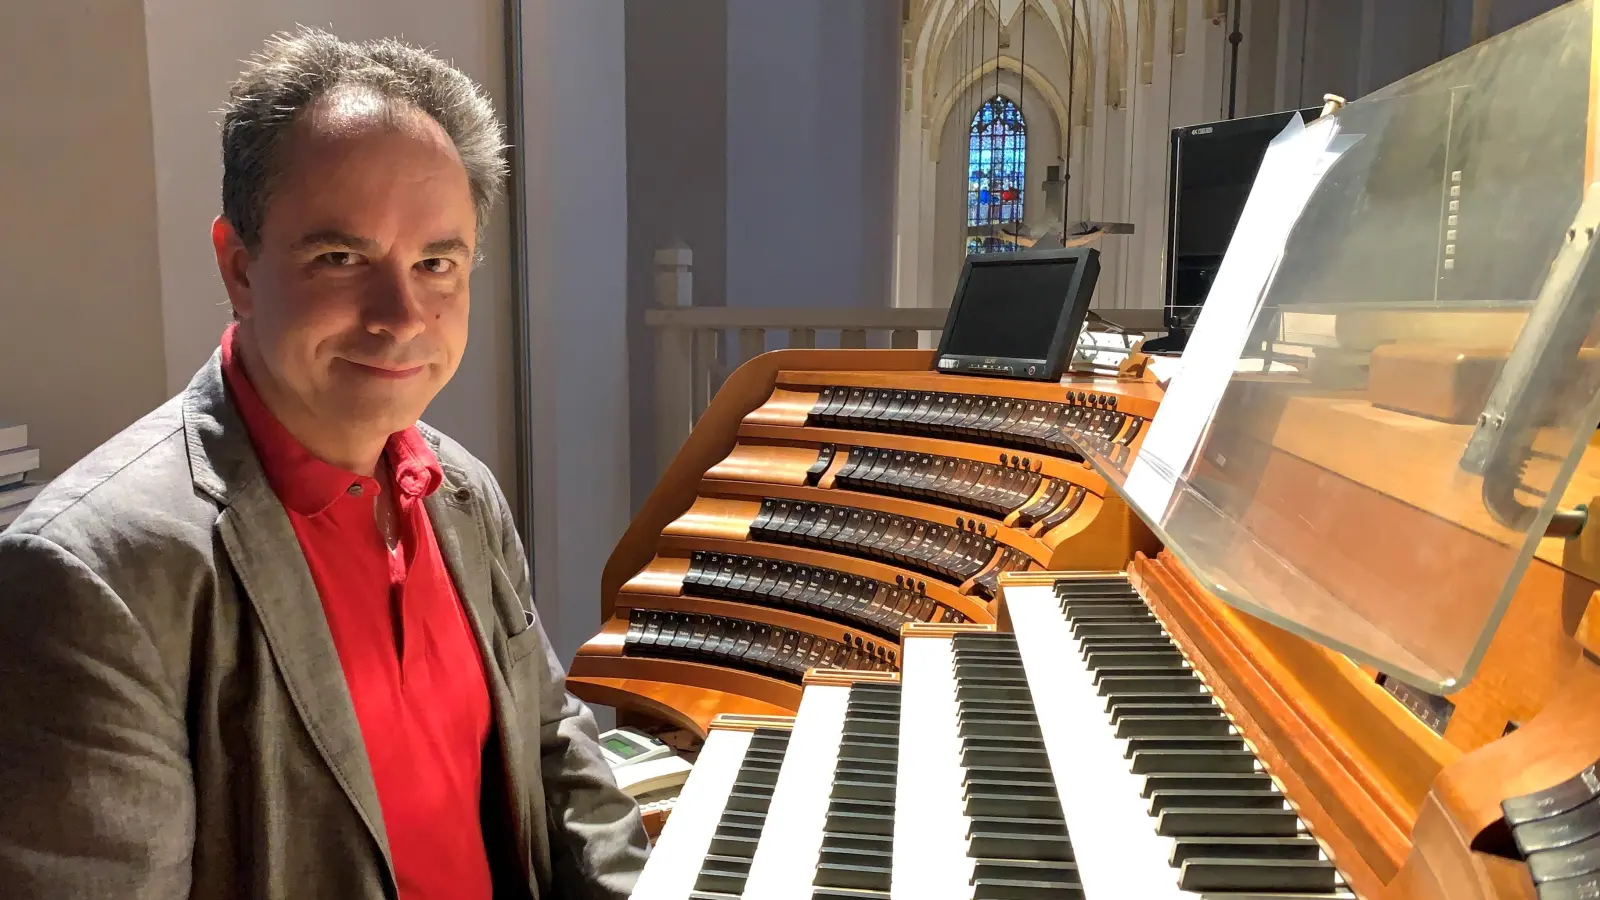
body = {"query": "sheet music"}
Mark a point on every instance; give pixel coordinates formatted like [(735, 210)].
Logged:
[(1293, 166)]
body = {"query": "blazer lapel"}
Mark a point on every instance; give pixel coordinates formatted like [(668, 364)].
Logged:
[(266, 557), (464, 546)]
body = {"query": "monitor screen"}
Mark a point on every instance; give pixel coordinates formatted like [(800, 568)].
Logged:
[(1212, 168), (1014, 309), (1017, 315)]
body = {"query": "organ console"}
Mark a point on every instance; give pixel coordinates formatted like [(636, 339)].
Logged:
[(1295, 627), (828, 498)]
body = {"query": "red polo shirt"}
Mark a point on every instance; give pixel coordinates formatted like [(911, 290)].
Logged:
[(405, 645)]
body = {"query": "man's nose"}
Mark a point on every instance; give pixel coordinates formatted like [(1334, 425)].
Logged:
[(395, 307)]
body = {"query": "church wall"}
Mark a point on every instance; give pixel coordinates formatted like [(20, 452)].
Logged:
[(677, 71), (812, 135)]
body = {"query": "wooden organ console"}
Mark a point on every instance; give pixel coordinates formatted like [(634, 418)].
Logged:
[(928, 645), (829, 498)]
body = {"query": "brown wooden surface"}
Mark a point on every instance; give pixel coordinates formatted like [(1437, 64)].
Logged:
[(942, 593), (765, 463), (686, 694), (1444, 383)]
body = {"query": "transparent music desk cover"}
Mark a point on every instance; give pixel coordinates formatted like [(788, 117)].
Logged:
[(1393, 379)]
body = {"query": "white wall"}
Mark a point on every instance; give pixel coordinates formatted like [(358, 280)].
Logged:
[(195, 49), (812, 128), (575, 157), (677, 66), (81, 352)]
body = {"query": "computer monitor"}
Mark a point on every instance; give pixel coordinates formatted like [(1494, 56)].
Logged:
[(1018, 315), (1211, 168)]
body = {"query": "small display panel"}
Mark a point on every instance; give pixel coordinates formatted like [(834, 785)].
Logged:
[(1018, 315), (623, 748)]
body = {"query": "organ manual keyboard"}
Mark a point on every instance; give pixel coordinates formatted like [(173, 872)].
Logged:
[(1322, 624)]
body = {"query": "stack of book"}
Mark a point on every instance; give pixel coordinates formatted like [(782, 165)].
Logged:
[(17, 462)]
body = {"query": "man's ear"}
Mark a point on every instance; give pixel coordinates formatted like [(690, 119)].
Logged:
[(233, 261)]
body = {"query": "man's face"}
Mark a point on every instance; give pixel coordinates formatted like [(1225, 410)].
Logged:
[(353, 310)]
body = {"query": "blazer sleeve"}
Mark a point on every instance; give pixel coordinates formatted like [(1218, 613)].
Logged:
[(95, 784), (598, 844)]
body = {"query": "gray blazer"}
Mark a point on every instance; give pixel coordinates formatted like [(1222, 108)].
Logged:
[(173, 718)]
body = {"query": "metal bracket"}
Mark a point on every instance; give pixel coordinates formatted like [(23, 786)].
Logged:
[(1547, 348)]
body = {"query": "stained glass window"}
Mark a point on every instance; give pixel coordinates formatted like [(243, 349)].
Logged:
[(997, 150)]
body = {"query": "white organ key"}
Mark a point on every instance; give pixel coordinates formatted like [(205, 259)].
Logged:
[(785, 861), (1113, 837), (675, 861), (930, 821)]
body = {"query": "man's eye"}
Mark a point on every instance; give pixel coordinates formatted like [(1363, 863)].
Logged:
[(338, 258), (438, 265)]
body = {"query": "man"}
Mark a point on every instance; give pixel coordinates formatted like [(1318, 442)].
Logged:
[(276, 639)]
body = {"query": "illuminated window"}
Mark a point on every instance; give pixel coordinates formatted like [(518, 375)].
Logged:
[(997, 150)]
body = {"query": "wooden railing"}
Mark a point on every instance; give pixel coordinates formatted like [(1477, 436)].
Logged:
[(696, 347)]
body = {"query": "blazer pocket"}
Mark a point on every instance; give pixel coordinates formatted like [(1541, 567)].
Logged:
[(519, 645)]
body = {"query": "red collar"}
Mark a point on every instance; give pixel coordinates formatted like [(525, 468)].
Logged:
[(304, 483)]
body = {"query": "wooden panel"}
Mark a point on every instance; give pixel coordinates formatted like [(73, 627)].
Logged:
[(942, 593), (1139, 398), (1103, 535), (1443, 383), (750, 612), (658, 688), (1589, 625), (1407, 457), (1051, 466), (785, 407), (715, 518), (765, 463), (664, 576)]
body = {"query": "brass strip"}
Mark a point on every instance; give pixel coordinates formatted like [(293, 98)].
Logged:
[(735, 722), (846, 677), (941, 630)]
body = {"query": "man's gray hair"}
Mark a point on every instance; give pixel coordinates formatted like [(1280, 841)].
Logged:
[(295, 70)]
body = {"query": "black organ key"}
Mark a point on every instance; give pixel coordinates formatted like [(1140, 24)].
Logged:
[(1555, 800)]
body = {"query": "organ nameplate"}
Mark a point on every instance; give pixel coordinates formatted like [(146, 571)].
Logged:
[(1432, 709)]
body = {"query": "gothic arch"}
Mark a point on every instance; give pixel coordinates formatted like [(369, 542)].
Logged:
[(1030, 76), (1116, 56), (1084, 70)]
